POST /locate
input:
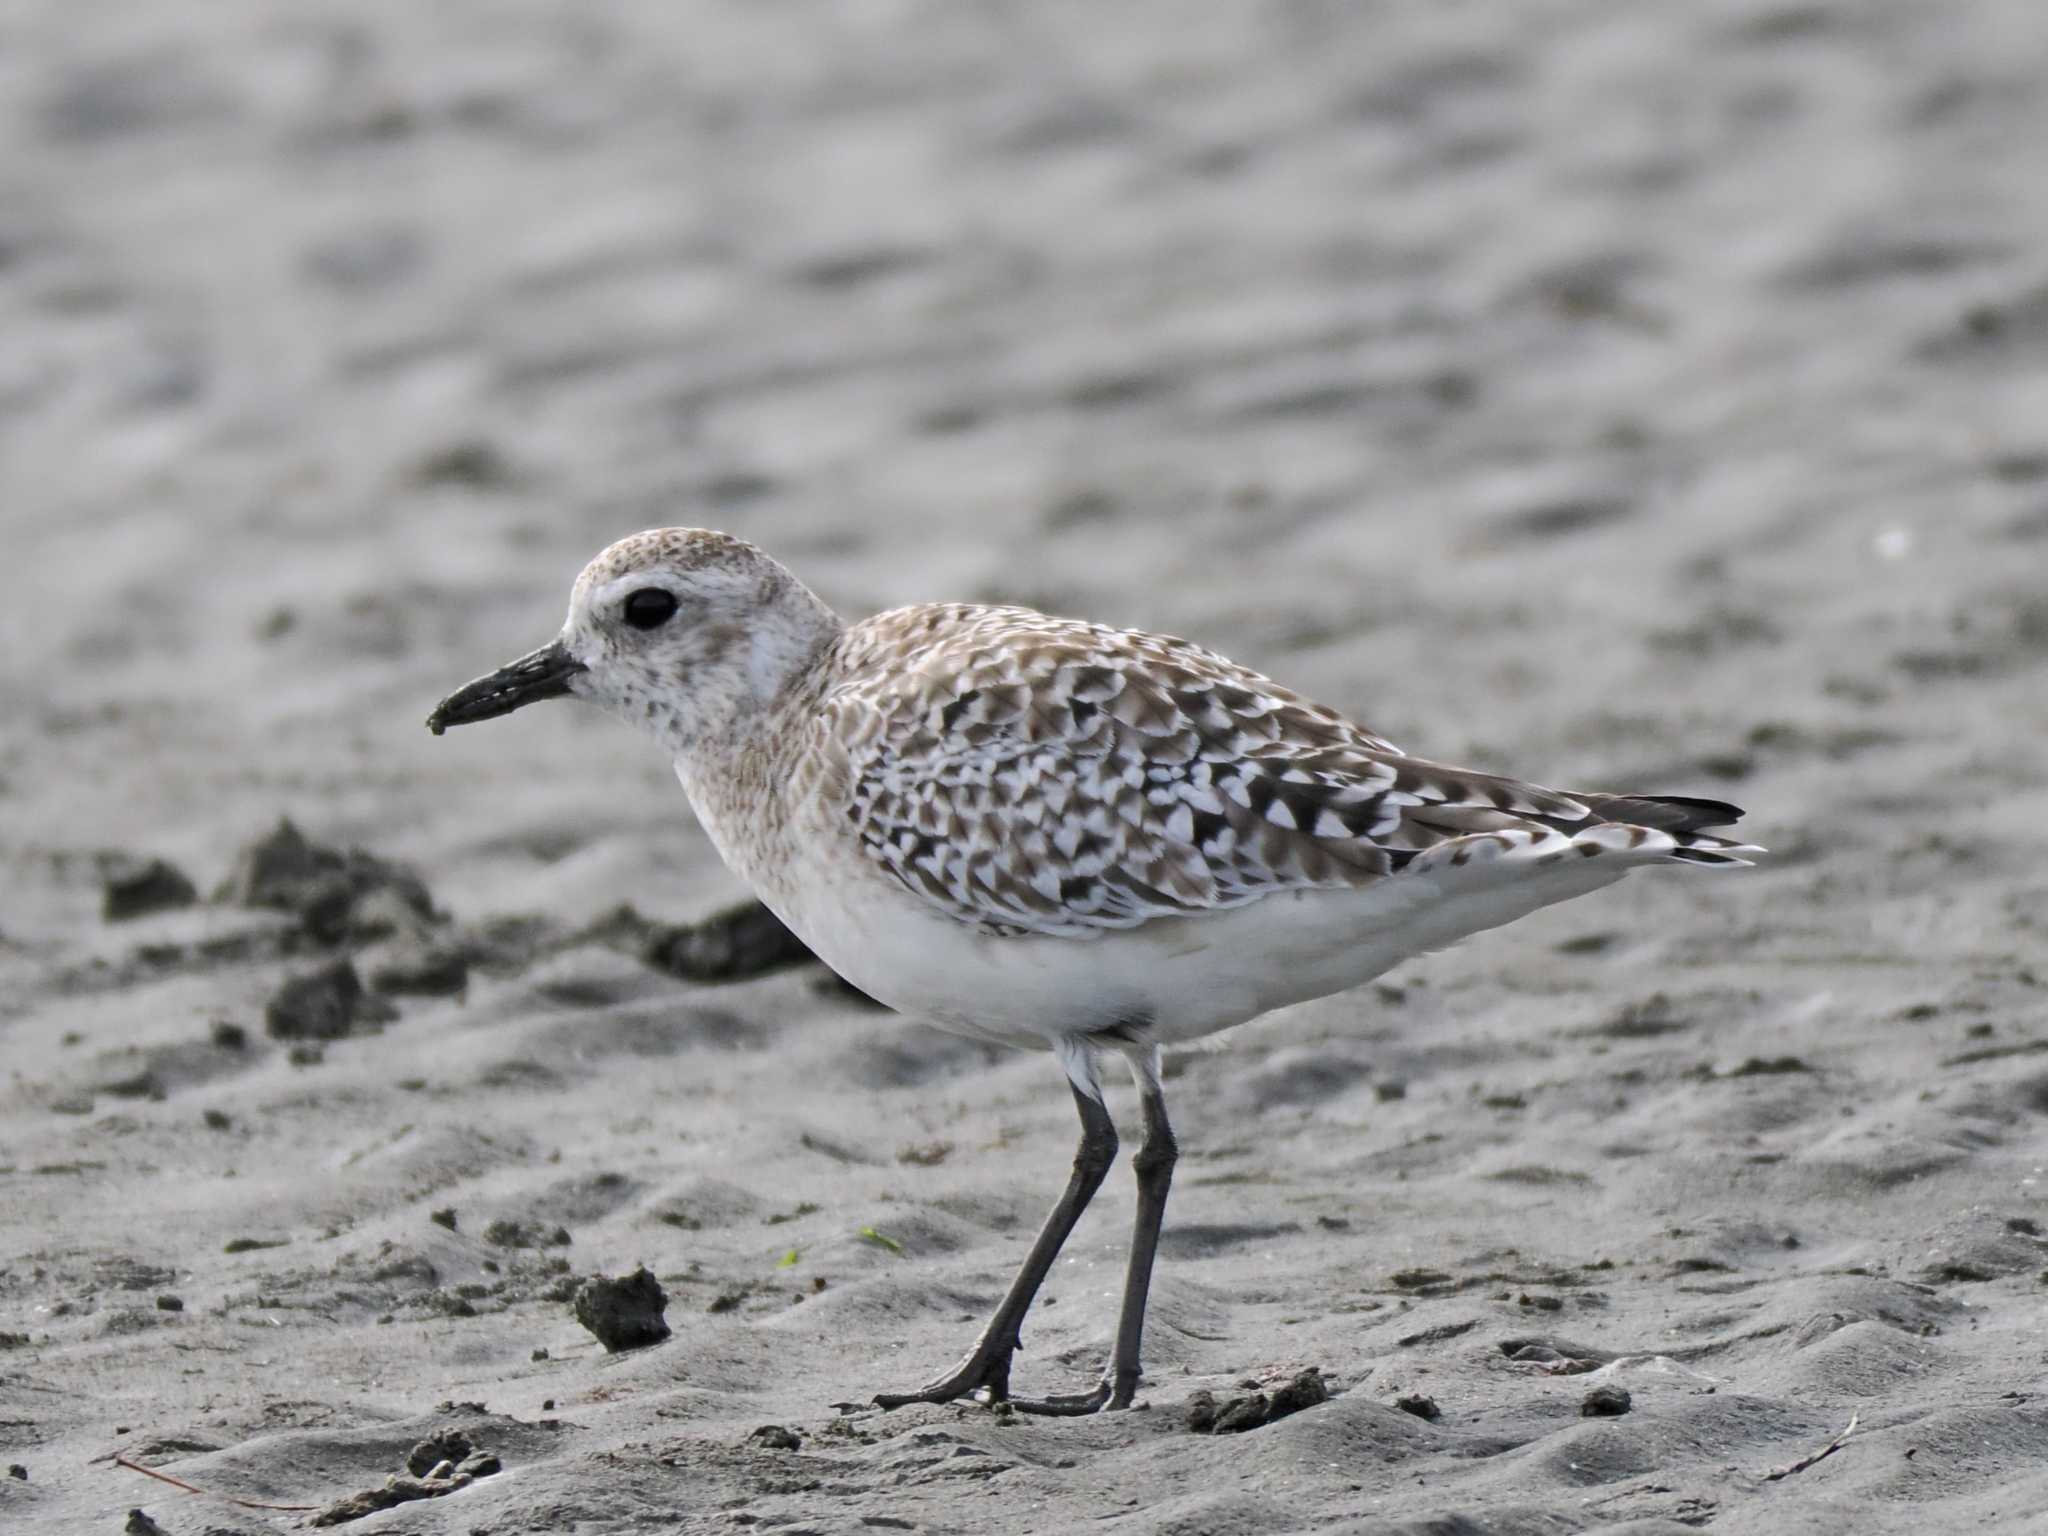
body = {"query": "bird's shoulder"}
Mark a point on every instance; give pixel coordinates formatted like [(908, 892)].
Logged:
[(947, 678)]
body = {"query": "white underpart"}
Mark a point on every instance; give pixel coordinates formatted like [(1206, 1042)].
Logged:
[(1184, 977)]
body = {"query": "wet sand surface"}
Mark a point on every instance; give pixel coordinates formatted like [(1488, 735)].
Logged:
[(1638, 398)]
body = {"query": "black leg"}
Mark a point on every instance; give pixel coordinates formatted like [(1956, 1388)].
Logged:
[(987, 1366), (1154, 1167)]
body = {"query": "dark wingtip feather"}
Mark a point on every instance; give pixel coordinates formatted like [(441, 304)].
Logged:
[(1667, 813)]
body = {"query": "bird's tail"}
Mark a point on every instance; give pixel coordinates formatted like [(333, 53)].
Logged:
[(1680, 818)]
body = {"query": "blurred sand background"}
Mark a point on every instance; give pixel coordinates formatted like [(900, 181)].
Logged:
[(1648, 397)]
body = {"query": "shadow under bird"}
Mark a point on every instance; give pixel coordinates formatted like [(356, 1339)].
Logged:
[(1058, 835)]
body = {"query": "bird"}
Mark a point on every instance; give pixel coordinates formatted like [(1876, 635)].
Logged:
[(1058, 835)]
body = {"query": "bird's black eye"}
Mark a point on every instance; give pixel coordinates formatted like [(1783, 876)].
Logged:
[(649, 608)]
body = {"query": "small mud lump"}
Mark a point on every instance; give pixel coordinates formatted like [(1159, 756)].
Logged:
[(1243, 1413), (1305, 1391), (422, 970), (1605, 1402), (323, 1005), (509, 1233), (623, 1313), (444, 1445), (132, 886), (733, 944), (325, 887), (1206, 1416)]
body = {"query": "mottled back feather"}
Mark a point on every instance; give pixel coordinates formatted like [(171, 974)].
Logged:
[(1028, 774)]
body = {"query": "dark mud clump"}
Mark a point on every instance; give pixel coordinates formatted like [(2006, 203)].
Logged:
[(336, 893), (443, 1463), (1606, 1402), (326, 1004), (1205, 1415), (623, 1313), (734, 944), (131, 886), (449, 1445), (396, 1491), (422, 970), (511, 1233)]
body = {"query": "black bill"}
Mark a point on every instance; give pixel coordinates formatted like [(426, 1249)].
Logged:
[(543, 675)]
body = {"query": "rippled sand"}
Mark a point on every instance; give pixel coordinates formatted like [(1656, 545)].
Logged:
[(1652, 397)]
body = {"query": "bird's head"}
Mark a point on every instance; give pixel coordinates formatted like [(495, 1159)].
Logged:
[(681, 631)]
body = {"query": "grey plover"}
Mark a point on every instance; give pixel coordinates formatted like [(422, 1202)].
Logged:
[(1054, 834)]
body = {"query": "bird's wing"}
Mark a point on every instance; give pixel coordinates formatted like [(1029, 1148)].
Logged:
[(1033, 775)]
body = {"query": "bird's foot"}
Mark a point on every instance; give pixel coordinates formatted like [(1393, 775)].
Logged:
[(984, 1375), (1069, 1405), (986, 1379)]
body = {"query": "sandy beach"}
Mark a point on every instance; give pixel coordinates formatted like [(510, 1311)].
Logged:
[(1637, 398)]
